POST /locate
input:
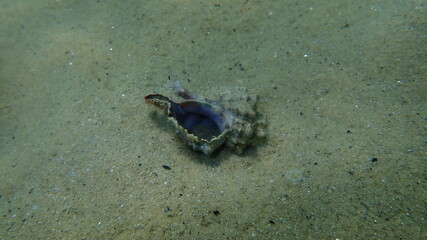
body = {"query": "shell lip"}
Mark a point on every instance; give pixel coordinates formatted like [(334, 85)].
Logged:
[(199, 139), (203, 122)]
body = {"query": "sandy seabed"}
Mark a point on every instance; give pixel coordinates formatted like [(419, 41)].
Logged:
[(343, 84)]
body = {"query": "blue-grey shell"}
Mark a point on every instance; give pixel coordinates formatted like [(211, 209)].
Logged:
[(206, 125)]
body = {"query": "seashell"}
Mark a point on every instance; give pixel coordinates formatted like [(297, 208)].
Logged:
[(206, 125)]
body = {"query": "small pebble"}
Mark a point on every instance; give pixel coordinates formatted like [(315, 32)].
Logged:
[(166, 167)]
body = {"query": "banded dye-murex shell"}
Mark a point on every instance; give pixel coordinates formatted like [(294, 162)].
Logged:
[(206, 125)]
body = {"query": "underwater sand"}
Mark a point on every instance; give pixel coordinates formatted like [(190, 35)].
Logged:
[(343, 84)]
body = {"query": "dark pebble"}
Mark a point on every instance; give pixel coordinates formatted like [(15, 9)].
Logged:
[(216, 212), (166, 167), (374, 159)]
